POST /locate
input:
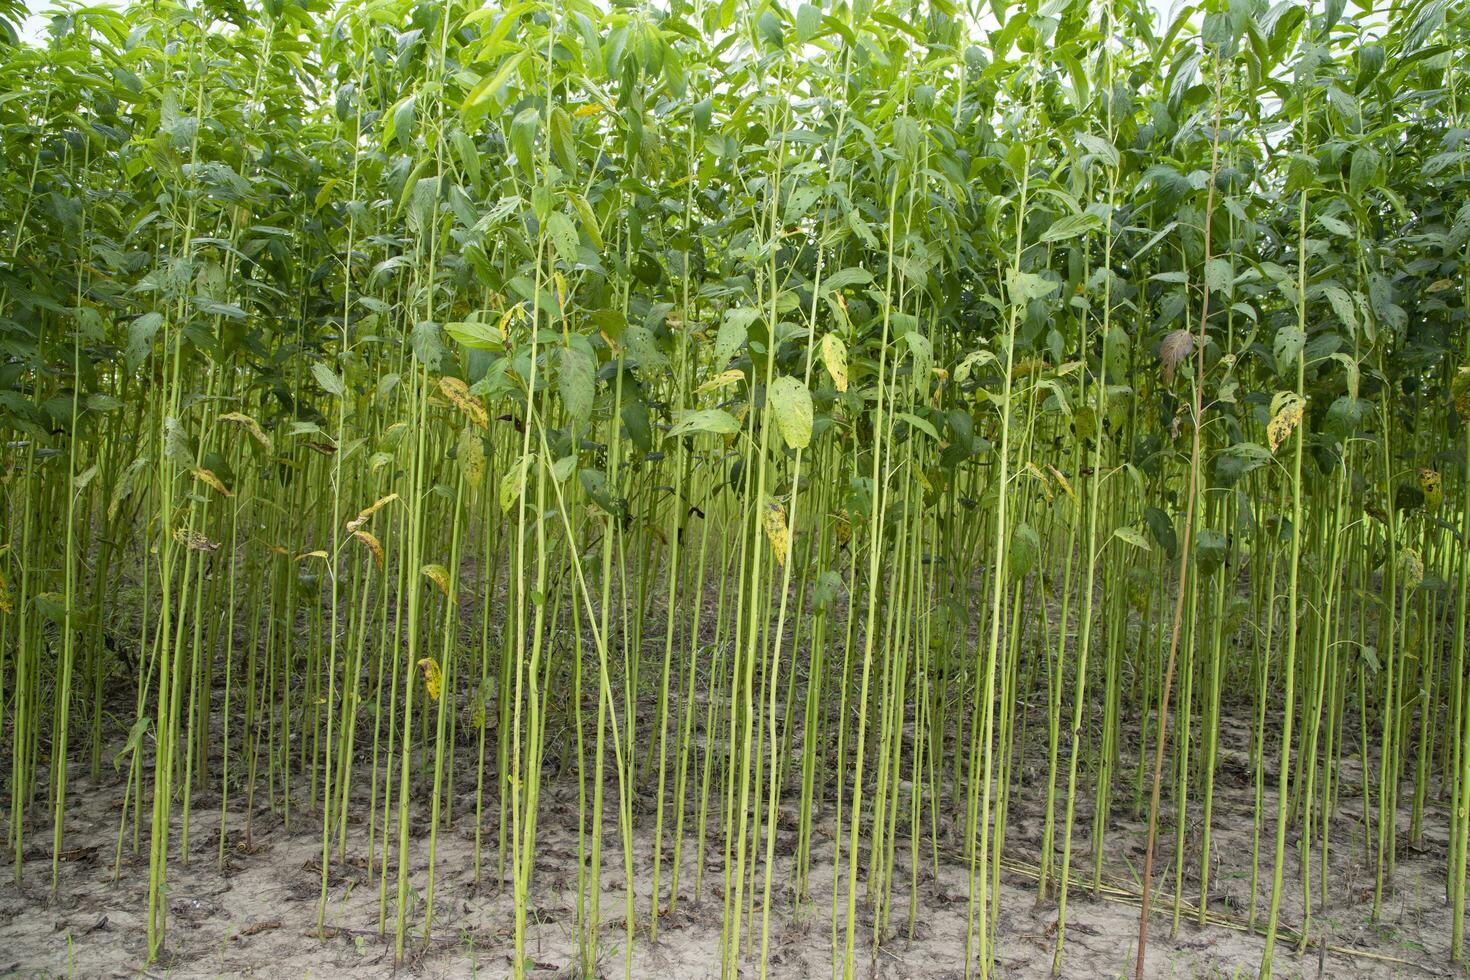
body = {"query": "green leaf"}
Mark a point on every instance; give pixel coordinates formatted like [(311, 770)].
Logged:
[(329, 381), (1023, 287), (427, 348), (732, 333), (1288, 344), (1132, 537), (564, 237), (523, 130), (712, 420), (576, 381), (477, 336), (1070, 226), (140, 338), (1024, 551), (1219, 276), (1364, 171), (923, 425), (851, 276)]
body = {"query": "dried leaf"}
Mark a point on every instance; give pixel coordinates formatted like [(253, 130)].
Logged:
[(1176, 348)]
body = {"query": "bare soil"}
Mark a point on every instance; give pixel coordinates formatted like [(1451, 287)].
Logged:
[(255, 915)]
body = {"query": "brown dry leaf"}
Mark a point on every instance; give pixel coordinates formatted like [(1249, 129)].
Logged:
[(256, 928), (1176, 348)]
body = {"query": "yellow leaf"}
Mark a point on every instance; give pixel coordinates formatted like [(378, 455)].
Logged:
[(1433, 486), (1035, 471), (513, 483), (433, 677), (1413, 568), (207, 475), (253, 426), (834, 359), (194, 541), (722, 380), (311, 554), (369, 511), (590, 109), (776, 532), (439, 575), (1460, 390), (471, 455), (1286, 415), (1062, 482), (373, 544), (7, 602), (458, 392)]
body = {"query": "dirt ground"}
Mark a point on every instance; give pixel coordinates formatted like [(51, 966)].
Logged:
[(256, 916)]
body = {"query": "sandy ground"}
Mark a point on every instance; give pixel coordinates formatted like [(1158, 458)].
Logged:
[(256, 915)]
